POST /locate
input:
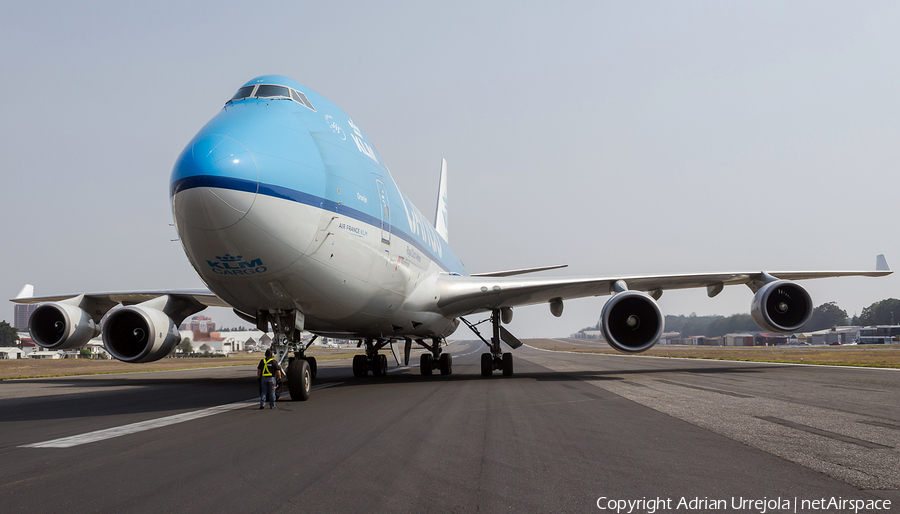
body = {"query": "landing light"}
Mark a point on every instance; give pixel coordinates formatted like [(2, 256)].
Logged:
[(236, 161)]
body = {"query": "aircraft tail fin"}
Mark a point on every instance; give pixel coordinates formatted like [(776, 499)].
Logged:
[(440, 216)]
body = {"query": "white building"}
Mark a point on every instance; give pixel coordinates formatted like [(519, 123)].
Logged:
[(45, 354), (12, 352)]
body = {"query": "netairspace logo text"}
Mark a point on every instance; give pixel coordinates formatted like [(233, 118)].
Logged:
[(764, 505)]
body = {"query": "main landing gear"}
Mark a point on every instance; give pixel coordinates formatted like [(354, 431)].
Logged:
[(372, 360), (434, 360), (377, 363), (496, 359)]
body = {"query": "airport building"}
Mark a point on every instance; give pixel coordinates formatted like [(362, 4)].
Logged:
[(11, 352), (203, 324), (881, 334), (21, 315)]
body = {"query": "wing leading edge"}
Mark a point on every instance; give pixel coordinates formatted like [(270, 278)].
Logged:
[(466, 295), (201, 296)]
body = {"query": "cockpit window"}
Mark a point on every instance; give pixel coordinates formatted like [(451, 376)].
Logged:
[(243, 92), (269, 90), (300, 97), (272, 91)]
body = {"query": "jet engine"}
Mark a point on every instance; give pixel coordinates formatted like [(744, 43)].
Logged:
[(138, 333), (781, 306), (631, 322), (62, 326)]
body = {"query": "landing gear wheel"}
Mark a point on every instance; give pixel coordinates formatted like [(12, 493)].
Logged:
[(487, 365), (507, 364), (379, 365), (299, 380), (426, 364), (313, 368), (446, 364), (359, 366)]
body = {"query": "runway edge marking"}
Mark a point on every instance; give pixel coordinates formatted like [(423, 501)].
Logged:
[(141, 426), (705, 360)]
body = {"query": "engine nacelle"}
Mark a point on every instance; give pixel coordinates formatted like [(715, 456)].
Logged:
[(61, 326), (138, 333), (631, 322), (781, 306)]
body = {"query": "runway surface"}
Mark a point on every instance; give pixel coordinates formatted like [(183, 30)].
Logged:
[(566, 430)]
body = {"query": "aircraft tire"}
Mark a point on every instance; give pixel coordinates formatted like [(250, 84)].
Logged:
[(507, 364), (381, 364), (425, 364), (299, 380), (313, 367), (446, 364), (376, 366), (487, 365), (359, 365)]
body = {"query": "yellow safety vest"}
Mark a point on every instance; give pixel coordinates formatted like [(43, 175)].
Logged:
[(265, 370)]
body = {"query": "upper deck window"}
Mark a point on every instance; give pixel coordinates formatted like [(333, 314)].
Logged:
[(270, 90), (243, 92)]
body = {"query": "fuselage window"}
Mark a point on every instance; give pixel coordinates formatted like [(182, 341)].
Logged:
[(243, 92), (269, 90)]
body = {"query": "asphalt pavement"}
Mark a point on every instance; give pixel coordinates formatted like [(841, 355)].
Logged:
[(565, 431)]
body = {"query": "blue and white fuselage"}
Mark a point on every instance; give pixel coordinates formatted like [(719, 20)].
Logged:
[(282, 202)]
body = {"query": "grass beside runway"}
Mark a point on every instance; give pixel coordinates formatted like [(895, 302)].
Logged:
[(41, 368), (873, 356)]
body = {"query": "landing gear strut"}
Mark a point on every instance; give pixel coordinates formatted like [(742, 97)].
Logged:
[(436, 359), (496, 359), (372, 360), (301, 370)]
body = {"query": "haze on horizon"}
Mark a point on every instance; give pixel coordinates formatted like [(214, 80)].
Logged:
[(617, 138)]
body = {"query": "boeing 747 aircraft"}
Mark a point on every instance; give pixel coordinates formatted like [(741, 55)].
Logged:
[(291, 218)]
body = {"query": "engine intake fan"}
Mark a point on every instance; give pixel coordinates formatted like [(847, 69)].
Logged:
[(631, 322)]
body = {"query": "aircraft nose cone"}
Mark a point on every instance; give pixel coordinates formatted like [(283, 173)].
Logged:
[(214, 182)]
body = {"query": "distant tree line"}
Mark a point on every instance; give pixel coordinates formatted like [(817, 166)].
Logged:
[(825, 316), (9, 336)]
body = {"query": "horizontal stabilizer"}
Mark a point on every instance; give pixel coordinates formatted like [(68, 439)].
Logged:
[(509, 273)]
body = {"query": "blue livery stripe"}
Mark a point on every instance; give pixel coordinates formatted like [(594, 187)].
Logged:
[(293, 195)]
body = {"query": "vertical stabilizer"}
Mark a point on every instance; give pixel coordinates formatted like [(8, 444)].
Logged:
[(440, 217)]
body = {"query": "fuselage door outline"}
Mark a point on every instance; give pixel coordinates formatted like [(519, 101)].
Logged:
[(385, 213)]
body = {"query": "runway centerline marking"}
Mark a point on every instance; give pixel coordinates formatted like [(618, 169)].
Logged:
[(141, 426)]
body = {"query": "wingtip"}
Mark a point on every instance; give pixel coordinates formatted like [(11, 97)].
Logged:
[(881, 263), (26, 292)]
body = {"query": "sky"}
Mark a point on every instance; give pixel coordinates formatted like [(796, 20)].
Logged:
[(615, 137)]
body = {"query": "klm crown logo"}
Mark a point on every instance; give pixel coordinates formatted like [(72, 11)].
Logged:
[(236, 265)]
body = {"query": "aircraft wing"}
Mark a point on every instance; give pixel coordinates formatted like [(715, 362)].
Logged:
[(461, 295), (201, 296)]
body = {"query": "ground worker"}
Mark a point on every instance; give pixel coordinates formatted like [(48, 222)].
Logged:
[(267, 373)]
